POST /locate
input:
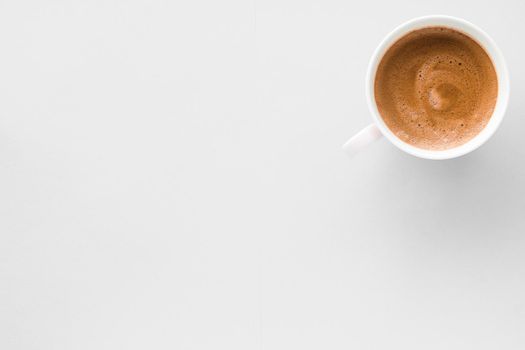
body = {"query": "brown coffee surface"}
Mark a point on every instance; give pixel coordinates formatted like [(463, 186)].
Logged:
[(436, 88)]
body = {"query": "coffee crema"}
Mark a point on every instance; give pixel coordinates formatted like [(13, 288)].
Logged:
[(436, 88)]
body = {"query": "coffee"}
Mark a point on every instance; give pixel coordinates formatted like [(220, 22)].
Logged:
[(436, 88)]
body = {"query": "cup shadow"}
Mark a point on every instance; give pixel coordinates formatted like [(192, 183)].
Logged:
[(478, 198)]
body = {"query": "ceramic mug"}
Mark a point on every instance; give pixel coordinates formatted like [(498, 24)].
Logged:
[(378, 128)]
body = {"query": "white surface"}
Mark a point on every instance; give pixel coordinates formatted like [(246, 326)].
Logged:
[(171, 177)]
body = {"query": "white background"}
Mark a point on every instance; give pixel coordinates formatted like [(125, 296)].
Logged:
[(171, 178)]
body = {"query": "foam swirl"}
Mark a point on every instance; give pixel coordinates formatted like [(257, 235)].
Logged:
[(436, 88)]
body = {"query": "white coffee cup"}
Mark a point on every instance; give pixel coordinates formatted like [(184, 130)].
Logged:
[(378, 128)]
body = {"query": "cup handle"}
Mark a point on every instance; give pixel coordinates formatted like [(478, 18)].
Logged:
[(361, 139)]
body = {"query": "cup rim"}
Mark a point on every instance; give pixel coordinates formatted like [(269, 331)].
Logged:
[(490, 47)]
